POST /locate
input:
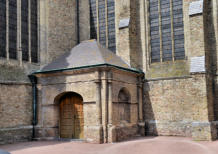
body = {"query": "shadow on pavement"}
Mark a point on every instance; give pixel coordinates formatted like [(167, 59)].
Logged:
[(26, 145)]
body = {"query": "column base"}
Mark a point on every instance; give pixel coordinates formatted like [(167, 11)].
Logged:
[(141, 128)]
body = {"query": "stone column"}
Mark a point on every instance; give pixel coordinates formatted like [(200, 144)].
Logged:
[(122, 11), (99, 106), (141, 124), (104, 90), (43, 12), (214, 31), (84, 20), (98, 98), (110, 102), (111, 128), (62, 28), (127, 32), (203, 115), (139, 100)]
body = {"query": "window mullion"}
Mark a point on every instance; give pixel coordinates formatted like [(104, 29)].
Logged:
[(160, 31), (172, 30), (19, 39), (97, 20), (106, 23), (29, 29), (7, 29), (148, 34)]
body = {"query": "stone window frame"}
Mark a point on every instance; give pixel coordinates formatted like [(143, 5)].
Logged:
[(148, 35), (19, 53)]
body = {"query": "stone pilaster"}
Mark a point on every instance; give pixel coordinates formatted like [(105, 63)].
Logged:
[(203, 127), (84, 20), (111, 128), (99, 107), (127, 42), (141, 124), (104, 92)]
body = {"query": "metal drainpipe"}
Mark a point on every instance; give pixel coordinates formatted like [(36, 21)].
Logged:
[(77, 18), (33, 80)]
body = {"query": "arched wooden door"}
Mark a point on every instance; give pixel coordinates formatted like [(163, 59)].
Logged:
[(71, 117)]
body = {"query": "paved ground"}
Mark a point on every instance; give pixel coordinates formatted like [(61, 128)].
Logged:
[(148, 145)]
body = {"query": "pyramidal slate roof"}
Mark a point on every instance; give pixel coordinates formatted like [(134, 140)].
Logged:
[(86, 54)]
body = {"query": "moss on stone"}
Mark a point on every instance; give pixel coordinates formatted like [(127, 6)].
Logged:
[(168, 69), (12, 73)]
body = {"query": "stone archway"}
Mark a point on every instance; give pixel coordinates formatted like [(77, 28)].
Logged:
[(71, 124), (124, 105)]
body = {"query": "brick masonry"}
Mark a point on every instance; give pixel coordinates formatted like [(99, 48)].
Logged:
[(15, 113), (175, 102), (177, 107)]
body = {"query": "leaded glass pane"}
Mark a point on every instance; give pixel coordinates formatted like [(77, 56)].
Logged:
[(102, 22), (34, 32), (13, 29), (3, 28), (178, 29), (154, 30), (24, 30), (111, 26), (163, 46), (93, 19), (166, 30)]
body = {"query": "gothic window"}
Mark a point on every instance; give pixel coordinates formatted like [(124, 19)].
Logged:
[(166, 30), (102, 19), (93, 19), (102, 22), (111, 25), (22, 19), (3, 28)]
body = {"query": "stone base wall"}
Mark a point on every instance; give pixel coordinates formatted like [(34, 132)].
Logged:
[(18, 134), (15, 112), (121, 133), (178, 107), (15, 105), (93, 134), (203, 131), (46, 133), (168, 128)]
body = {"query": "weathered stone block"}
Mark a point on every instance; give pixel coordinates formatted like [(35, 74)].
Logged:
[(12, 135), (202, 131), (93, 134)]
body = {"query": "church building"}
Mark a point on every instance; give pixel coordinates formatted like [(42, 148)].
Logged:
[(105, 71)]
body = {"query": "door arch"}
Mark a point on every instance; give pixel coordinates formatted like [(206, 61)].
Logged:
[(71, 116)]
